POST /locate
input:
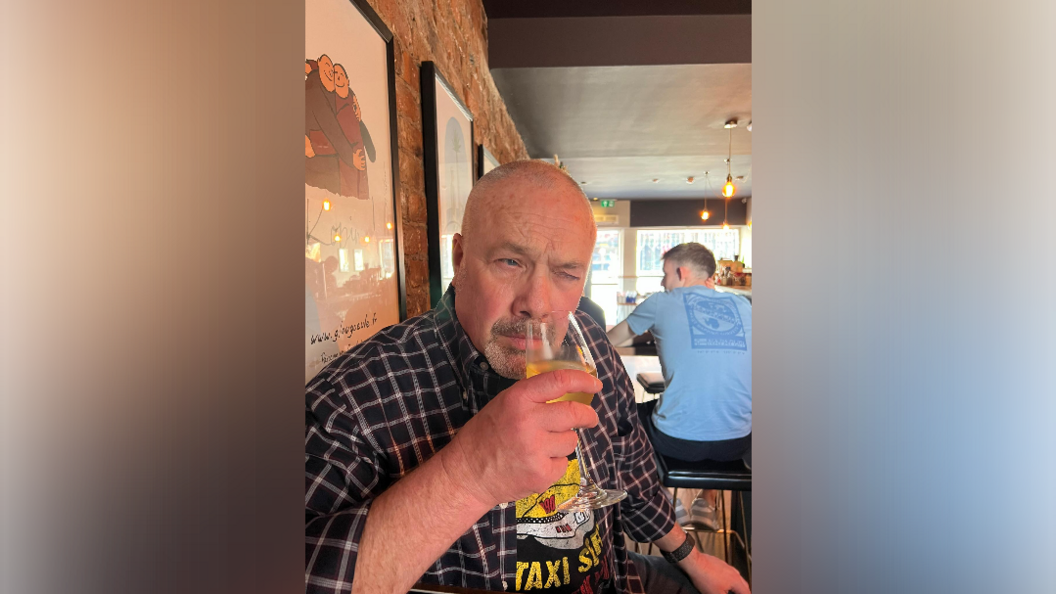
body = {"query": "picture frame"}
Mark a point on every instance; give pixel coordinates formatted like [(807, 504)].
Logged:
[(355, 275), (447, 134), (485, 161)]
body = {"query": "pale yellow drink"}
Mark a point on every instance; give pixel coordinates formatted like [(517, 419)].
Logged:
[(536, 367)]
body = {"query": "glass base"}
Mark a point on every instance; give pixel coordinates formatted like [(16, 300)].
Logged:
[(592, 497)]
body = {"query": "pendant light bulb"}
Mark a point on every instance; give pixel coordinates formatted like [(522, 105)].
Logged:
[(725, 225), (704, 215), (729, 188)]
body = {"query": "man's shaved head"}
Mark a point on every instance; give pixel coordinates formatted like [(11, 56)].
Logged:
[(495, 186), (524, 250)]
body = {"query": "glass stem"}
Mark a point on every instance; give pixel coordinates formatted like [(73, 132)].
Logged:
[(584, 474)]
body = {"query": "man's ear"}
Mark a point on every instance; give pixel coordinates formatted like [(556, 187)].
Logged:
[(457, 252), (679, 273)]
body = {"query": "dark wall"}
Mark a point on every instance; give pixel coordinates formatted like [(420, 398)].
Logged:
[(686, 213)]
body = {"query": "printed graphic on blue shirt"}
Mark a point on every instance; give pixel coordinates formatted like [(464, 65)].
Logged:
[(714, 323)]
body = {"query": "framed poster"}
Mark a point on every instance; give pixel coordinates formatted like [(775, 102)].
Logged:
[(447, 131), (353, 261), (485, 162)]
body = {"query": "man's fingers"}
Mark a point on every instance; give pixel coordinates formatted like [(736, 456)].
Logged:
[(560, 466), (555, 384), (565, 415), (740, 586), (561, 444)]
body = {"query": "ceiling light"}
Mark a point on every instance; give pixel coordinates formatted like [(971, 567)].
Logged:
[(707, 188), (729, 188), (689, 179), (656, 180), (730, 124), (725, 225), (739, 178), (595, 199), (583, 183)]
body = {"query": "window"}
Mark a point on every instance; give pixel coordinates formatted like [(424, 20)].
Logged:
[(652, 243), (606, 268)]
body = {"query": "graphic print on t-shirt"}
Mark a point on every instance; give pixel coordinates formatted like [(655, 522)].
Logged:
[(559, 552), (714, 323)]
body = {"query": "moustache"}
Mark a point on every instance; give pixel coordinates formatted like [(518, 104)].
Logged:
[(518, 328), (509, 327)]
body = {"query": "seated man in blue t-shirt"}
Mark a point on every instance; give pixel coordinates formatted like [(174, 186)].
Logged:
[(704, 340)]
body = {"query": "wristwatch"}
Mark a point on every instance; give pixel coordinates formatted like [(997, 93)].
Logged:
[(681, 552)]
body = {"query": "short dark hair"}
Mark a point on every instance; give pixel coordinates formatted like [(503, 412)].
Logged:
[(693, 255)]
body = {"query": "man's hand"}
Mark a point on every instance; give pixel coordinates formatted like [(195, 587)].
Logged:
[(517, 444), (712, 575), (359, 159)]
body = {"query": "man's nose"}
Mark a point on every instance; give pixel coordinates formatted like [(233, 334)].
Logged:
[(534, 299)]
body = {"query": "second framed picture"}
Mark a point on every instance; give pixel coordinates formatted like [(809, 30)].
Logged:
[(447, 130)]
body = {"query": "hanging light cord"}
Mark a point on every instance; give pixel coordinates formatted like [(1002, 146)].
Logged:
[(729, 156)]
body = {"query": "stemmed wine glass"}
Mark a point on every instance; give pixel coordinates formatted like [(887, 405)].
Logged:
[(554, 342)]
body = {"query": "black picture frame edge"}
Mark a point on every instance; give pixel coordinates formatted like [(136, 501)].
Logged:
[(429, 74), (390, 56), (483, 156)]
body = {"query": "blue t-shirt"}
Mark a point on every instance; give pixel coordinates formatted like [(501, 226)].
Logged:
[(704, 339)]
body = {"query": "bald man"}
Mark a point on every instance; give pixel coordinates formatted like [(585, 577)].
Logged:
[(430, 458)]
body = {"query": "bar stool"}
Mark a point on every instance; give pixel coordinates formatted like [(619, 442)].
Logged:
[(709, 474)]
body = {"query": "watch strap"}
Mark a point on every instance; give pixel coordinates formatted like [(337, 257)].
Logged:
[(682, 551)]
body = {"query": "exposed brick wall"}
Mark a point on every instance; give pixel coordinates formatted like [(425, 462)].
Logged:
[(452, 33)]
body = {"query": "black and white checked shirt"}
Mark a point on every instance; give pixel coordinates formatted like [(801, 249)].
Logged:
[(387, 405)]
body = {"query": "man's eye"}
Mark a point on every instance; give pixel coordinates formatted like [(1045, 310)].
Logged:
[(509, 261), (568, 276)]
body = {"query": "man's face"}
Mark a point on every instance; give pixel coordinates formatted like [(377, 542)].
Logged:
[(326, 72), (528, 256), (340, 80), (671, 280)]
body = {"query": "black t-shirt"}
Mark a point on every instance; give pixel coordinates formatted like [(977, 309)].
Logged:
[(560, 552)]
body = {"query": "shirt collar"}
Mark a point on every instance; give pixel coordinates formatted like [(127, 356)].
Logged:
[(474, 372)]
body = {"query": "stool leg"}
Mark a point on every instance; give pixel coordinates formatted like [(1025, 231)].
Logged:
[(725, 527), (747, 539)]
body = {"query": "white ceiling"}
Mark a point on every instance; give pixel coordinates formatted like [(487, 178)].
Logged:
[(620, 127)]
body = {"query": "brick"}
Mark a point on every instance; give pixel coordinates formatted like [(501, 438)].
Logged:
[(417, 301), (416, 210), (409, 135), (412, 174), (407, 67), (407, 103)]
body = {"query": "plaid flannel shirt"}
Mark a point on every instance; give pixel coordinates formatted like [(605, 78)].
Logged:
[(389, 404)]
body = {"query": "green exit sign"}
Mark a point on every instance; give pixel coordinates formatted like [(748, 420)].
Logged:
[(607, 203)]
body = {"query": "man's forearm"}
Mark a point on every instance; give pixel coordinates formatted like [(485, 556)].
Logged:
[(621, 334), (672, 540), (709, 574), (411, 525)]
